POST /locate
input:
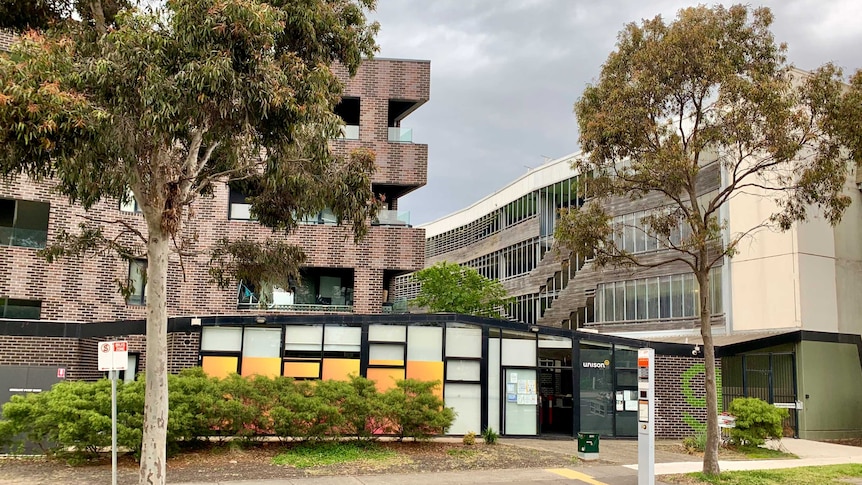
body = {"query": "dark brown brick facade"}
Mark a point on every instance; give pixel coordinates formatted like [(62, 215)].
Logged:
[(85, 290)]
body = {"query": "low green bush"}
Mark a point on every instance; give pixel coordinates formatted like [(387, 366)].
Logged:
[(490, 436), (414, 411), (469, 438), (756, 421), (74, 418)]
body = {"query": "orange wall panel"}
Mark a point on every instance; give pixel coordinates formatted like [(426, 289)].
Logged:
[(340, 369), (261, 366), (385, 378), (220, 367)]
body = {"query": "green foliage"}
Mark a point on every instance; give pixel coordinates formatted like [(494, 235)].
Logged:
[(469, 438), (490, 436), (756, 421), (75, 417), (448, 287), (311, 455), (415, 411), (695, 443)]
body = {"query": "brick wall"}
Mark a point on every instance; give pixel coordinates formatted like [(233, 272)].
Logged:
[(377, 82), (680, 395), (86, 289)]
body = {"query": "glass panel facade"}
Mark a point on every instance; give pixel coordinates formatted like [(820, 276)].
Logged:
[(463, 341), (303, 337), (261, 342), (520, 411), (387, 333), (662, 297), (466, 400), (386, 354), (221, 339), (597, 389), (425, 344), (462, 370), (518, 352)]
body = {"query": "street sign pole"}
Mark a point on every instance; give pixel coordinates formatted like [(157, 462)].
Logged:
[(113, 356), (114, 427)]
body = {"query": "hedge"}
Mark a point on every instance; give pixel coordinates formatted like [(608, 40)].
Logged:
[(75, 417)]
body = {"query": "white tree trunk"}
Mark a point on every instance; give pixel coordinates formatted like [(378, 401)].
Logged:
[(153, 455)]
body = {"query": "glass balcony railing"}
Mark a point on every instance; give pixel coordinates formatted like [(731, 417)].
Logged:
[(400, 135), (349, 132), (397, 306), (25, 238), (391, 218), (297, 307)]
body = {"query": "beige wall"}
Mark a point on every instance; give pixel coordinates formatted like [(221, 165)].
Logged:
[(808, 277)]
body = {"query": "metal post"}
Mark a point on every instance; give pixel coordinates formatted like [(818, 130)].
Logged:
[(114, 427)]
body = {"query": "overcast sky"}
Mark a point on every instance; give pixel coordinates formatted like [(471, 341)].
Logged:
[(506, 73)]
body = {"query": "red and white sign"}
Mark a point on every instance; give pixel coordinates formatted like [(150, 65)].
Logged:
[(113, 355), (643, 358), (61, 373)]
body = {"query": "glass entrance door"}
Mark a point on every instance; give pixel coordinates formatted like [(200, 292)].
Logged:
[(522, 399)]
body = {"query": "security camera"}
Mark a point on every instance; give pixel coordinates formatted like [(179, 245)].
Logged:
[(695, 350)]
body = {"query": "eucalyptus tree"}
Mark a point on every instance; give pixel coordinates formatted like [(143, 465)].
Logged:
[(710, 87), (167, 100)]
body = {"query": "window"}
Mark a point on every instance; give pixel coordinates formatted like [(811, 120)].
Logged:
[(23, 309), (23, 223), (131, 203), (662, 297), (137, 282), (239, 209)]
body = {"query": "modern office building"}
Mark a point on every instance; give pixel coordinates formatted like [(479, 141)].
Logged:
[(786, 312)]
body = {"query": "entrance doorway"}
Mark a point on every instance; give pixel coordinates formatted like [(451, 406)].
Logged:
[(556, 405)]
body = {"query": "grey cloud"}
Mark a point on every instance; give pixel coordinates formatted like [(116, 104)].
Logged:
[(505, 75)]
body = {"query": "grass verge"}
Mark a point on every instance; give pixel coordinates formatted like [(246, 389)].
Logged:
[(810, 475), (311, 455)]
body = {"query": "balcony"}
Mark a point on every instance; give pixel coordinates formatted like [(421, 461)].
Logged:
[(25, 238), (298, 307), (400, 135), (349, 132), (391, 218), (397, 306)]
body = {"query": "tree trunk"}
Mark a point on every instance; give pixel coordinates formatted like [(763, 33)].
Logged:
[(710, 453), (153, 455)]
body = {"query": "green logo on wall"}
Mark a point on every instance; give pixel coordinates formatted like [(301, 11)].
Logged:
[(692, 399)]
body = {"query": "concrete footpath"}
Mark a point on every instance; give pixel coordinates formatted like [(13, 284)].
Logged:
[(617, 466)]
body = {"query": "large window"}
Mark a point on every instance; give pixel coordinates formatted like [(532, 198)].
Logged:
[(24, 309), (23, 223), (660, 297), (318, 289), (633, 234), (137, 282)]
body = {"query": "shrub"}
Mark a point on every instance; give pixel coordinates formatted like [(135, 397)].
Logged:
[(490, 436), (696, 442), (415, 411), (469, 438), (756, 420)]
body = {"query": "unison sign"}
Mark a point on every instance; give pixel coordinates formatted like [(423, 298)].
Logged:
[(597, 365)]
